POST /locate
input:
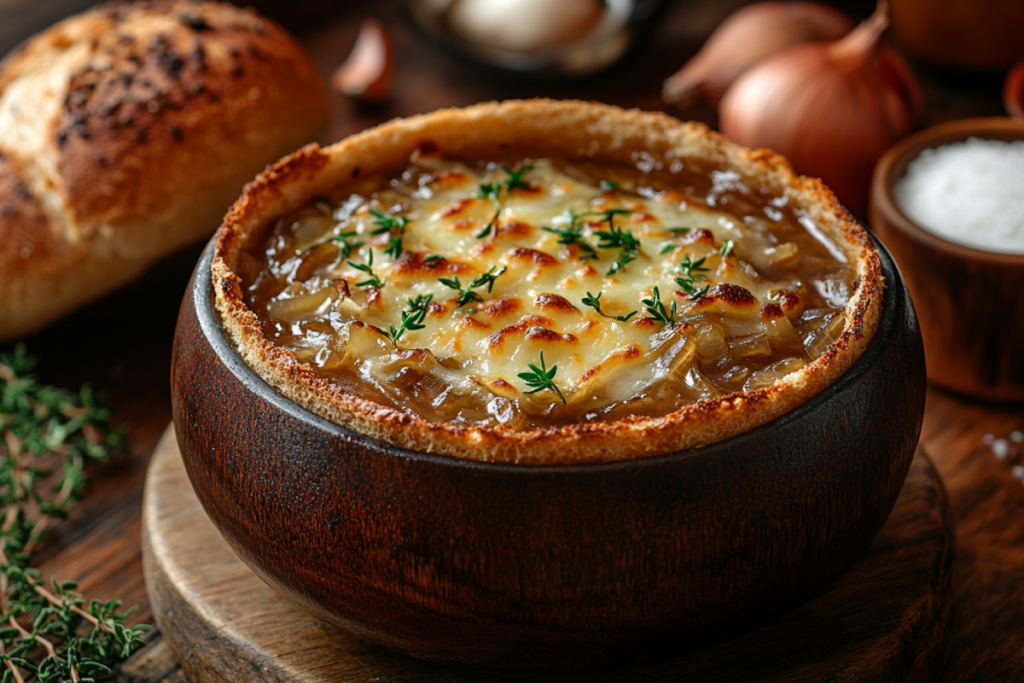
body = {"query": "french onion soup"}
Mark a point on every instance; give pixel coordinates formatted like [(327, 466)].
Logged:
[(589, 299)]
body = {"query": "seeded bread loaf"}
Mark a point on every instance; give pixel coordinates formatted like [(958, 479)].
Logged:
[(125, 134)]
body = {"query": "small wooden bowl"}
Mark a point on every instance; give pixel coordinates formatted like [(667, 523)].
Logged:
[(557, 566), (1013, 91), (969, 302)]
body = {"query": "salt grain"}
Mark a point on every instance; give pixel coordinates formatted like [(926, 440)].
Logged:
[(971, 193)]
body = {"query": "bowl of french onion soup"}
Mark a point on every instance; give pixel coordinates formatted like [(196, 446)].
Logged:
[(948, 202), (545, 384)]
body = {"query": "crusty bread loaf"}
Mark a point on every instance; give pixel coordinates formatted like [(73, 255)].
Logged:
[(125, 134)]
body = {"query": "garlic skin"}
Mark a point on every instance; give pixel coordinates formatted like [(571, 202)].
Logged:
[(525, 25), (747, 36), (832, 109), (367, 73)]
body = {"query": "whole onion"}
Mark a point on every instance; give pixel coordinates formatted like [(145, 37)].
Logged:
[(831, 108), (747, 36)]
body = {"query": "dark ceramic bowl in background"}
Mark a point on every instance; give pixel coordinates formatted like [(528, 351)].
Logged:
[(557, 566), (970, 302)]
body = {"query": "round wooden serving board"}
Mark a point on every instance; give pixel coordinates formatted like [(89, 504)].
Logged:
[(886, 619)]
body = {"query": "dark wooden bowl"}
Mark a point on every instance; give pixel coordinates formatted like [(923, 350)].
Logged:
[(553, 567), (970, 302)]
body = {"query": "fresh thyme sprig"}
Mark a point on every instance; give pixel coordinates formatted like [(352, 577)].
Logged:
[(385, 222), (490, 191), (609, 186), (595, 303), (542, 378), (373, 280), (514, 179), (467, 294), (412, 318), (341, 239), (727, 248), (671, 246), (574, 235), (656, 309), (493, 191), (693, 271), (344, 246), (692, 289), (616, 238), (49, 630)]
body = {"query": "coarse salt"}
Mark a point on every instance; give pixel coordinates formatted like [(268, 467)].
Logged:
[(970, 193)]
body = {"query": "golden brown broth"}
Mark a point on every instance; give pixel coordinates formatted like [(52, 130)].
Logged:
[(415, 381)]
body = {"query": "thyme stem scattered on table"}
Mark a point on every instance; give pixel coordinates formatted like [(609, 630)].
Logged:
[(48, 631)]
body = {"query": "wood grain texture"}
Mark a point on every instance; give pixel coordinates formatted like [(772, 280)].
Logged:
[(122, 345), (968, 301), (886, 619)]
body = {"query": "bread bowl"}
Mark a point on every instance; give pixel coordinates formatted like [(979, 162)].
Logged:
[(125, 133), (538, 564), (592, 346)]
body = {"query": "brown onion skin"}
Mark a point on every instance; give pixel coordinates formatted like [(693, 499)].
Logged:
[(832, 109), (747, 36)]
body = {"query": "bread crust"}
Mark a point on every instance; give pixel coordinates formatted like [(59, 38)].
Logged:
[(567, 129), (127, 131)]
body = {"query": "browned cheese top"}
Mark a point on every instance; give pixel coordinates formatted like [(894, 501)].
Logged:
[(538, 292)]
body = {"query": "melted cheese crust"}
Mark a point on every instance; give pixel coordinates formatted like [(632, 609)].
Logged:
[(760, 307)]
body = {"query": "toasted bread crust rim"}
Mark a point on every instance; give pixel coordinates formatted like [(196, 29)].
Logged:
[(573, 130)]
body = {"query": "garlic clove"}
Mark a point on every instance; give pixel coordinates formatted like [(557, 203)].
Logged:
[(747, 36), (367, 73)]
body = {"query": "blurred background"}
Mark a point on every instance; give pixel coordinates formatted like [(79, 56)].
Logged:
[(432, 71)]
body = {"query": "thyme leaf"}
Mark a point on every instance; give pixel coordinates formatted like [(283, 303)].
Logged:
[(541, 378), (595, 303), (693, 271), (493, 191), (614, 237), (385, 222), (373, 280), (690, 288), (412, 317), (573, 235), (656, 309), (514, 179), (466, 294)]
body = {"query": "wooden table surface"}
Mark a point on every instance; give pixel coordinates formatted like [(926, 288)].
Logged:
[(122, 344)]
